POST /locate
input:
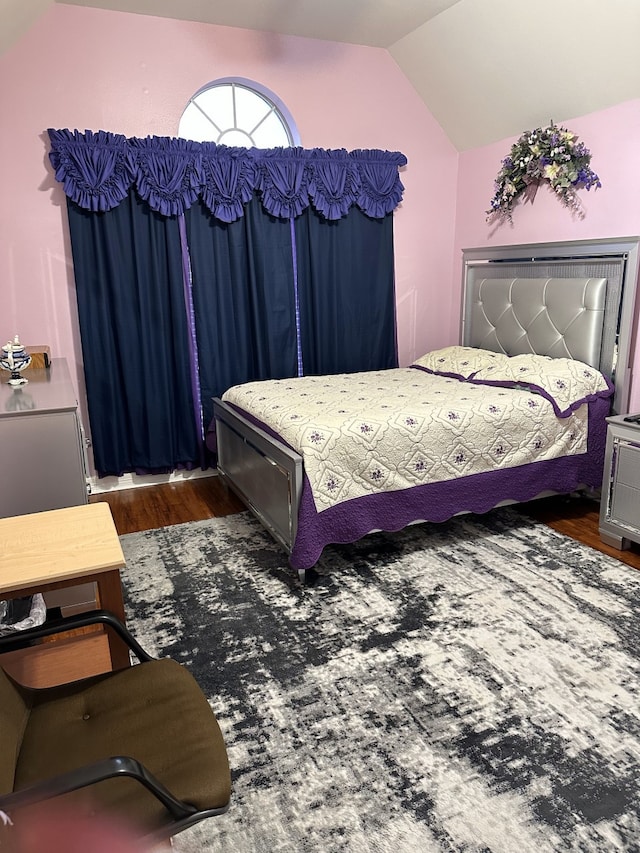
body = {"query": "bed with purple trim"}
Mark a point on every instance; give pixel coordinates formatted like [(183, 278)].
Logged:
[(515, 411), (460, 430)]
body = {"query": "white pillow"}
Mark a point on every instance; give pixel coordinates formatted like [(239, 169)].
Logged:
[(461, 362), (565, 382)]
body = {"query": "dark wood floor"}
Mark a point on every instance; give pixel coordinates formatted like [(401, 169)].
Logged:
[(147, 507), (207, 497)]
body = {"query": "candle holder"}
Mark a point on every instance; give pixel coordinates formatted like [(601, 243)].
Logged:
[(15, 358)]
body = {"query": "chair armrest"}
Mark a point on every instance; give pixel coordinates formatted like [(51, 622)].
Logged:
[(90, 774), (23, 639)]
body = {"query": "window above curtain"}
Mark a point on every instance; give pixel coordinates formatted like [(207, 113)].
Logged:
[(97, 170)]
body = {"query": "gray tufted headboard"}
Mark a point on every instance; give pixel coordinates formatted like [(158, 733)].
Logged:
[(562, 318), (573, 300)]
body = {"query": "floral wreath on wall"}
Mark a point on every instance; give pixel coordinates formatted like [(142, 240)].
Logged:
[(547, 154)]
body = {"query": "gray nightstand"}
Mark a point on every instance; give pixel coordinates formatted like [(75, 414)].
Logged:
[(620, 500)]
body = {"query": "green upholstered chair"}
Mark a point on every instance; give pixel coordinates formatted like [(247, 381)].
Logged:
[(141, 743)]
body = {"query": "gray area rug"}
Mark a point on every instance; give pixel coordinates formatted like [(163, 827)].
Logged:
[(468, 686)]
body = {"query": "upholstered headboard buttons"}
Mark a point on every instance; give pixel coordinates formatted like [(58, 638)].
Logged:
[(559, 317)]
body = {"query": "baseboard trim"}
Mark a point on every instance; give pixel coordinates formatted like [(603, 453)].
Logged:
[(100, 485)]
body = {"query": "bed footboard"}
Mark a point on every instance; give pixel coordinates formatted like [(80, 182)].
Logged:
[(264, 473)]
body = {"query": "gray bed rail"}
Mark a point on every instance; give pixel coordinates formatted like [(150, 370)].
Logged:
[(264, 473)]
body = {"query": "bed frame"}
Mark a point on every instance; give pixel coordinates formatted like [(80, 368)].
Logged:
[(572, 300)]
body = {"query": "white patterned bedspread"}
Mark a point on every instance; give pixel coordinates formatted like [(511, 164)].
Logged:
[(363, 433)]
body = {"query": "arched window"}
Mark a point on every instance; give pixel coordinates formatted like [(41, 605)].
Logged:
[(238, 112)]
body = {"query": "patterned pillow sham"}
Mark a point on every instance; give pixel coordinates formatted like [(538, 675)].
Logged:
[(459, 362), (566, 383)]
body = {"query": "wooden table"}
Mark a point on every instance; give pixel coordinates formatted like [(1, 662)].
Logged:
[(61, 548)]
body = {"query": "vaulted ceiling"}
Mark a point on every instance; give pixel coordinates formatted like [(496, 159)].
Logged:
[(486, 69)]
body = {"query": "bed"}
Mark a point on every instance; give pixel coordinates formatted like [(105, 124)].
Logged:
[(515, 411)]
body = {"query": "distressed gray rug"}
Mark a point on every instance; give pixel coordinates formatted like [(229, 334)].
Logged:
[(469, 686)]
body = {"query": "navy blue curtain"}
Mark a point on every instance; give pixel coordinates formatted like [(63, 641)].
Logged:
[(188, 269), (346, 292), (135, 346), (243, 298)]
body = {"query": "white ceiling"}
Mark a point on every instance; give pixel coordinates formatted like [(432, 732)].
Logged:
[(486, 69)]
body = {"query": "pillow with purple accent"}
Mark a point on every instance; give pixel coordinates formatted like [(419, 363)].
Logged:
[(566, 383), (459, 362)]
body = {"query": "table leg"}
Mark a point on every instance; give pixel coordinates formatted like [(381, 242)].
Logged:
[(109, 590)]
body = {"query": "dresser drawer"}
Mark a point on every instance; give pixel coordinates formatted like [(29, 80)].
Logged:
[(628, 464), (625, 506)]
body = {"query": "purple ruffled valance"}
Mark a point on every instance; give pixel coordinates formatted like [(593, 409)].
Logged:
[(97, 169)]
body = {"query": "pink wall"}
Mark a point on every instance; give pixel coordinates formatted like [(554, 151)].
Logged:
[(613, 137), (93, 69)]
